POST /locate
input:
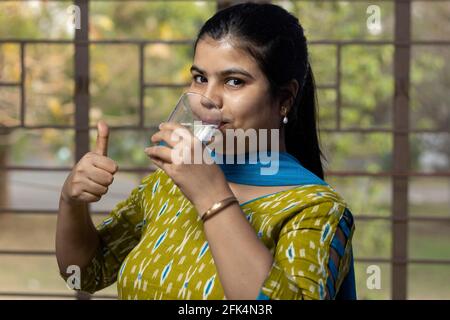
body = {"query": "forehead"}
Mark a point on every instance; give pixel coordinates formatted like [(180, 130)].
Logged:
[(216, 55)]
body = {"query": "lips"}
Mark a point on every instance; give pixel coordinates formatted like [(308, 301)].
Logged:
[(222, 124)]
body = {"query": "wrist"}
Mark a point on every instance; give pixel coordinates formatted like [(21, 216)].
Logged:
[(207, 201), (218, 207), (67, 201)]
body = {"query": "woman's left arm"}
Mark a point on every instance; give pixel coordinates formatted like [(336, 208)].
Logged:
[(242, 260)]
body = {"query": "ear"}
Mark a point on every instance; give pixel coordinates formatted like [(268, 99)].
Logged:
[(288, 94)]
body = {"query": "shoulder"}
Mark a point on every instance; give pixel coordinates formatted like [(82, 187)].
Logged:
[(310, 200), (318, 207), (307, 207), (311, 197), (322, 193)]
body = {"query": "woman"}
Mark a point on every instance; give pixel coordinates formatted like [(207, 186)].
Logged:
[(284, 236)]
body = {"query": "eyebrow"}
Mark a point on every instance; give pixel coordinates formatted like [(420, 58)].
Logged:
[(225, 72)]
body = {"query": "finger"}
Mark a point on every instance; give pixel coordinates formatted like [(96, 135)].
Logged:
[(159, 163), (101, 177), (172, 137), (179, 130), (165, 136), (94, 188), (88, 197), (105, 163), (102, 138), (160, 153), (170, 126)]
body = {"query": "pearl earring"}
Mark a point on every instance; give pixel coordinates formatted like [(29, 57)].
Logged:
[(285, 119)]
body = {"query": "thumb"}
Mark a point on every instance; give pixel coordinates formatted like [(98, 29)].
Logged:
[(102, 138)]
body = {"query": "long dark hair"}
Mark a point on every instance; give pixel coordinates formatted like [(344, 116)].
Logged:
[(275, 39)]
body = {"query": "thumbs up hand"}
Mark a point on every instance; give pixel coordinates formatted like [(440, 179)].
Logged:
[(92, 175)]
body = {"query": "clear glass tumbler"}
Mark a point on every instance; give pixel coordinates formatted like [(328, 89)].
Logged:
[(199, 114)]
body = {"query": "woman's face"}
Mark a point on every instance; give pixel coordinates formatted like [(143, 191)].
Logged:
[(231, 78)]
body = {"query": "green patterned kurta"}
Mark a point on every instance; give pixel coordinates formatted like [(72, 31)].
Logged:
[(154, 246)]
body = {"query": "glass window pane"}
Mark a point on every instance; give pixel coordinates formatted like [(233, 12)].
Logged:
[(430, 152), (357, 151), (367, 86), (114, 84), (364, 195), (327, 108), (159, 102), (41, 147), (42, 189), (31, 274), (148, 20), (10, 106), (49, 84), (372, 239), (363, 271), (323, 62), (36, 19), (428, 282), (429, 196), (36, 274), (343, 20), (10, 63), (166, 63), (430, 20), (429, 240), (430, 104), (27, 231)]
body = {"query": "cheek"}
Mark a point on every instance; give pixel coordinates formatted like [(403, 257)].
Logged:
[(256, 113), (243, 110), (250, 107)]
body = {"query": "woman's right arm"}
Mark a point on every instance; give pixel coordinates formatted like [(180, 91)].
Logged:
[(76, 236), (77, 239)]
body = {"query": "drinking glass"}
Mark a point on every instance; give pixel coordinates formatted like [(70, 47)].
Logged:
[(197, 113)]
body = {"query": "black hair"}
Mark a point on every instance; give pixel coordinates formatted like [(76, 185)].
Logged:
[(276, 40)]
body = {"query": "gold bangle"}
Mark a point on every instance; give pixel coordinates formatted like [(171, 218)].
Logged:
[(218, 206)]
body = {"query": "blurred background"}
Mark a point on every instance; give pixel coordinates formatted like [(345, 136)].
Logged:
[(384, 114)]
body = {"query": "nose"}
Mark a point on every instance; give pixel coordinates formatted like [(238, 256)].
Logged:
[(213, 97)]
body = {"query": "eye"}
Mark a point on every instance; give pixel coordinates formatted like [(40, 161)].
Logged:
[(235, 82), (198, 78)]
